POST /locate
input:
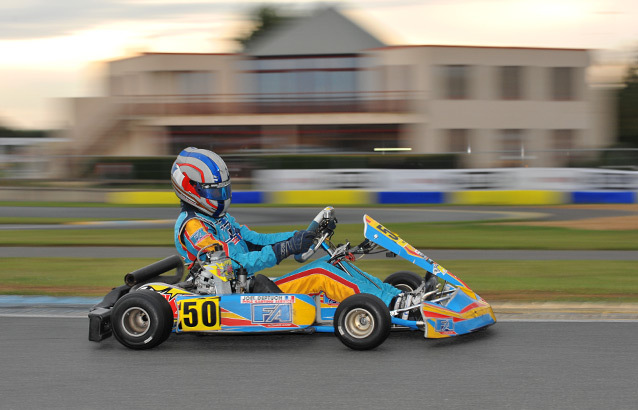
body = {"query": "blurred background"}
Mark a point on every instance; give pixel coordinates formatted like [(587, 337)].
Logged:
[(358, 87)]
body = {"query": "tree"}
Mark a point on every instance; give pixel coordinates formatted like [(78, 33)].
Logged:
[(12, 133), (265, 19), (628, 109)]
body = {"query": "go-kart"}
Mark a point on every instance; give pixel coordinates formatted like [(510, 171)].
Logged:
[(215, 298)]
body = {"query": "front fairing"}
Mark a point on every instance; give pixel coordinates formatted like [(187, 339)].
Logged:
[(382, 236), (456, 309)]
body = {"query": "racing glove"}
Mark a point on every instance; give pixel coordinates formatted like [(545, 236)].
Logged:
[(300, 242)]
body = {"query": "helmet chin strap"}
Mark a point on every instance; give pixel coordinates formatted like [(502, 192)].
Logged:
[(221, 208)]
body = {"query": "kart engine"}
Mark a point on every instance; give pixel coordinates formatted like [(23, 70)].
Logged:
[(216, 276)]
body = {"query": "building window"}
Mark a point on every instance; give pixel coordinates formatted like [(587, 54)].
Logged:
[(511, 83), (459, 140), (312, 77), (456, 82), (562, 83)]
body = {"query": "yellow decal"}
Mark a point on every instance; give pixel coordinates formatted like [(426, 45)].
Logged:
[(167, 290), (222, 269), (411, 250), (199, 314)]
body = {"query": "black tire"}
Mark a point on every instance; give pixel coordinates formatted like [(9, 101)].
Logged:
[(362, 322), (142, 319), (404, 280)]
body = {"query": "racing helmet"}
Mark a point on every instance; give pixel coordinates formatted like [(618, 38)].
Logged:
[(200, 178)]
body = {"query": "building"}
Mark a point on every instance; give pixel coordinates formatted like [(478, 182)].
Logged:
[(323, 84)]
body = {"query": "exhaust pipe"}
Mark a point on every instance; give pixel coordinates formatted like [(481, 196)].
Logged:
[(155, 269)]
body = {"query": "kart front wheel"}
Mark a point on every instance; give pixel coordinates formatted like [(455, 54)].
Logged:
[(142, 319), (362, 322)]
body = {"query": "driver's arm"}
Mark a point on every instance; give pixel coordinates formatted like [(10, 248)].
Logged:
[(257, 238), (195, 237), (263, 238)]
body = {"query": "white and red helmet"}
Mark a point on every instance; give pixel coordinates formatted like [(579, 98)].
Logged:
[(200, 178)]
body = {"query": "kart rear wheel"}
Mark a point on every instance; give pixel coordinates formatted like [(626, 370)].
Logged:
[(142, 319), (263, 284), (404, 280), (362, 322)]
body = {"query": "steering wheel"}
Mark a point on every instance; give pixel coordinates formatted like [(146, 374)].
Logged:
[(323, 225)]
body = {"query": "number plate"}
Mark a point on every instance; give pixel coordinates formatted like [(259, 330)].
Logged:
[(199, 314)]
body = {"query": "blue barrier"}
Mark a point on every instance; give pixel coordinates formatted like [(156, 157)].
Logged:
[(248, 197), (603, 197), (428, 197)]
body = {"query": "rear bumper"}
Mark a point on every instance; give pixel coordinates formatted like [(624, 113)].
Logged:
[(100, 314), (100, 324)]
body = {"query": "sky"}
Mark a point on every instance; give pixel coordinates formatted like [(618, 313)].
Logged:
[(52, 50)]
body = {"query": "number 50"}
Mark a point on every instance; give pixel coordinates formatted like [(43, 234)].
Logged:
[(199, 314)]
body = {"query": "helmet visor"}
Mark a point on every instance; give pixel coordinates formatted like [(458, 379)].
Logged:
[(214, 192)]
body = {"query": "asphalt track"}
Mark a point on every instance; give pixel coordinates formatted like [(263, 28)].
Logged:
[(48, 363), (556, 363)]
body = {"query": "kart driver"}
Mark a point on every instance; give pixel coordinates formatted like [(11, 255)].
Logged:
[(201, 181)]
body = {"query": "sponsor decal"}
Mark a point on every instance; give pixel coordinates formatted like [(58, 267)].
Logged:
[(395, 238), (270, 310), (268, 299), (233, 234), (267, 313), (198, 235), (445, 326), (439, 269)]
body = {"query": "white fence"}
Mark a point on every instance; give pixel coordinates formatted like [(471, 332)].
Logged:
[(555, 179)]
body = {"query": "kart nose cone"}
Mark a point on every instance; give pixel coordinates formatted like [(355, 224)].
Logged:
[(462, 315)]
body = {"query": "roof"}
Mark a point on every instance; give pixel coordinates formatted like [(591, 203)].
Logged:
[(326, 32)]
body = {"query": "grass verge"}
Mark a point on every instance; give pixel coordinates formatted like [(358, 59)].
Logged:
[(608, 281), (421, 235)]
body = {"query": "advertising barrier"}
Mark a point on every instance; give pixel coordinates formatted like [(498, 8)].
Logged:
[(498, 186)]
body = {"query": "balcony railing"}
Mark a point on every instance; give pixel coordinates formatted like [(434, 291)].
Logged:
[(289, 103)]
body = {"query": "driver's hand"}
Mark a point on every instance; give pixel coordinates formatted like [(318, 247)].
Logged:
[(299, 243)]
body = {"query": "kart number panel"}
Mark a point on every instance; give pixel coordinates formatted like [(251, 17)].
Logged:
[(199, 314)]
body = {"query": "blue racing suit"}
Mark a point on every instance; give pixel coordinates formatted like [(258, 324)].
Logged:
[(252, 250), (195, 230)]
